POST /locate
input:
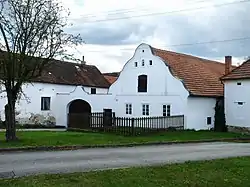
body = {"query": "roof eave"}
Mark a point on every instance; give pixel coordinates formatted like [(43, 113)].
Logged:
[(235, 78), (205, 96)]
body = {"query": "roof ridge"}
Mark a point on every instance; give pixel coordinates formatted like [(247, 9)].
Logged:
[(235, 69), (187, 55), (74, 63)]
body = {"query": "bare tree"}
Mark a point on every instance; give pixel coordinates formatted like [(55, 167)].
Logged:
[(31, 36)]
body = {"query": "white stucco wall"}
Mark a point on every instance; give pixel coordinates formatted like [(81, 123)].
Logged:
[(61, 96), (163, 87), (199, 108), (160, 80), (236, 114)]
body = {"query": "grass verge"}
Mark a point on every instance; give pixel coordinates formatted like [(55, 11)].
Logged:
[(233, 172), (76, 138)]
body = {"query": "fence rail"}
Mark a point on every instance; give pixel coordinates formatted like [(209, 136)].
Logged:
[(134, 126)]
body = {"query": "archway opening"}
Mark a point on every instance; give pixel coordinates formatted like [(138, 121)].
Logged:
[(79, 114)]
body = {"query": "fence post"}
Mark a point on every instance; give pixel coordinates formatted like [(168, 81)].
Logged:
[(133, 126)]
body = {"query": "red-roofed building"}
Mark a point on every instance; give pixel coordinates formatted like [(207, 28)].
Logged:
[(155, 79), (154, 82), (237, 92)]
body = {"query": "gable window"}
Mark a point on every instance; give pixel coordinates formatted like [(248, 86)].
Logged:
[(209, 120), (128, 108), (45, 103), (150, 62), (93, 90), (142, 83), (238, 83), (135, 64), (145, 110), (143, 63)]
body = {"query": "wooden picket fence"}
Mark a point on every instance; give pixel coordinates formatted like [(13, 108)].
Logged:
[(135, 126)]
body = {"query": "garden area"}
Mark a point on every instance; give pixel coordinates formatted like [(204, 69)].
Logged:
[(232, 172), (65, 138)]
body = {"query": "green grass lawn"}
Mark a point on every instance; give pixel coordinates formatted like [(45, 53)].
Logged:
[(78, 138), (232, 172)]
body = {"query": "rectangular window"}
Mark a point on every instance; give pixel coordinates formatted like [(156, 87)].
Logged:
[(142, 83), (150, 62), (238, 83), (135, 64), (168, 110), (164, 110), (209, 120), (145, 110), (143, 63), (128, 108), (93, 90), (240, 103), (45, 103)]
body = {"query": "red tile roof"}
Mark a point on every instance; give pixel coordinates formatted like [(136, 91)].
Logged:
[(61, 72), (201, 77), (241, 72), (67, 73), (110, 79)]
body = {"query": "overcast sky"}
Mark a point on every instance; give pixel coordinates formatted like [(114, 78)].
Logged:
[(112, 29)]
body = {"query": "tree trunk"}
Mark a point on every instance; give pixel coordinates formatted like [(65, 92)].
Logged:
[(10, 121)]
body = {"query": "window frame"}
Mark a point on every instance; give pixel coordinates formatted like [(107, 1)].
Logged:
[(129, 110), (169, 110), (142, 83), (145, 109), (166, 110), (91, 91), (44, 106), (209, 120)]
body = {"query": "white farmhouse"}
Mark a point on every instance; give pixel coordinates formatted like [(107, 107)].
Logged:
[(153, 82), (61, 88), (237, 97), (156, 82)]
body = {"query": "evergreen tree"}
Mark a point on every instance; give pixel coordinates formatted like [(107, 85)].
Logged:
[(219, 118)]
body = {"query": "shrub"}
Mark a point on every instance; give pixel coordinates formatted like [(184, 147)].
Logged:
[(219, 117)]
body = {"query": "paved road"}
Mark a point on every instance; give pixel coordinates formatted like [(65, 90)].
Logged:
[(21, 164)]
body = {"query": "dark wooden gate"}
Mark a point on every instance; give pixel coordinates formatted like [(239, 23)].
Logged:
[(79, 115)]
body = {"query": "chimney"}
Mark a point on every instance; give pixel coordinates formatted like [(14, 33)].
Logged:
[(228, 64), (83, 61)]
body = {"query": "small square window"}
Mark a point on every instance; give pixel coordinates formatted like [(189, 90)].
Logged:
[(128, 108), (143, 63), (209, 120), (143, 51), (45, 103), (238, 83), (93, 90), (150, 62), (135, 64)]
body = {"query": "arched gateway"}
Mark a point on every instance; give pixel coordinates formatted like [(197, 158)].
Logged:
[(79, 114)]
